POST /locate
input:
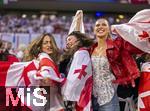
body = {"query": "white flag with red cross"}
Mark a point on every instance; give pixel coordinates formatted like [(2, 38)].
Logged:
[(78, 86)]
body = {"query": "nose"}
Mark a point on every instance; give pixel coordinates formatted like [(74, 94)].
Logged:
[(68, 41), (49, 44)]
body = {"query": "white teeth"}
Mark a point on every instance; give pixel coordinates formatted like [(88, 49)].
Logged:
[(101, 31)]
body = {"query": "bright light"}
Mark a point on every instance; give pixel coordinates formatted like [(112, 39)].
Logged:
[(24, 15), (117, 20), (121, 16)]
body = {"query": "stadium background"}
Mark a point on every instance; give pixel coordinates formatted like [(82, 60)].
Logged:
[(23, 20)]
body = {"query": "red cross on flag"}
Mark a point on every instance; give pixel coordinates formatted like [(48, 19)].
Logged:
[(81, 71), (78, 86), (136, 31)]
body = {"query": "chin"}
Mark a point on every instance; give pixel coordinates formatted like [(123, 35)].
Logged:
[(49, 52), (100, 36)]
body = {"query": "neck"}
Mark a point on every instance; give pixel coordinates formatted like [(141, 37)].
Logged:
[(101, 42)]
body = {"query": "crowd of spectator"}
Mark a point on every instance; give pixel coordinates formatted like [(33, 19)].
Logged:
[(22, 23), (28, 26)]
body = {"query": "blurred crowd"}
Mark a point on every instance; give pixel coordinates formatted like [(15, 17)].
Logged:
[(13, 23), (30, 26)]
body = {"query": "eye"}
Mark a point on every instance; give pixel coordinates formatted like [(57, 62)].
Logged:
[(97, 25), (68, 39), (103, 24)]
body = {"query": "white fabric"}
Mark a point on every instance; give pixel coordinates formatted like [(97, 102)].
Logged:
[(73, 86), (145, 67), (134, 29), (140, 102), (129, 103), (15, 79), (77, 23), (15, 72)]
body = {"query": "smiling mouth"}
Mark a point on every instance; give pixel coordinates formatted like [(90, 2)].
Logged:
[(101, 30)]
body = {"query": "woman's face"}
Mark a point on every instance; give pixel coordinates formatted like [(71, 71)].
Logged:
[(101, 29), (47, 45), (71, 41)]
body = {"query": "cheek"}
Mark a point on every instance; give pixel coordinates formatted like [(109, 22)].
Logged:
[(43, 48)]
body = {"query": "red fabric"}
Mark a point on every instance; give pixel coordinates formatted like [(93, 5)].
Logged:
[(119, 53), (121, 61), (81, 71), (144, 82), (30, 67), (12, 58), (47, 62), (85, 95), (143, 87), (4, 65)]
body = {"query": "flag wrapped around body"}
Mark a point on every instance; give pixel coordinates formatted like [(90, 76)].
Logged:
[(78, 86), (28, 73), (144, 88)]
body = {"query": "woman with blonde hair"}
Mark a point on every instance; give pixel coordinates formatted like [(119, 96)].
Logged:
[(112, 64), (104, 91)]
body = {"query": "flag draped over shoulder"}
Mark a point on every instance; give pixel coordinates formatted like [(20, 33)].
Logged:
[(136, 31), (28, 73), (78, 86), (144, 88)]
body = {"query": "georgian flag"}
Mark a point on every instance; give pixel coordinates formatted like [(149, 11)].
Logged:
[(28, 73), (78, 86), (136, 31), (144, 88)]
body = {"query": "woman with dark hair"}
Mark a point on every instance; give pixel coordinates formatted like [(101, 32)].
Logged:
[(78, 71), (75, 41), (42, 70)]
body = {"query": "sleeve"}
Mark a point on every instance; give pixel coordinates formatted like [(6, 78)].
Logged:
[(122, 63)]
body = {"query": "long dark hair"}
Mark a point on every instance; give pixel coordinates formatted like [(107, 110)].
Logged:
[(36, 45), (84, 41)]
